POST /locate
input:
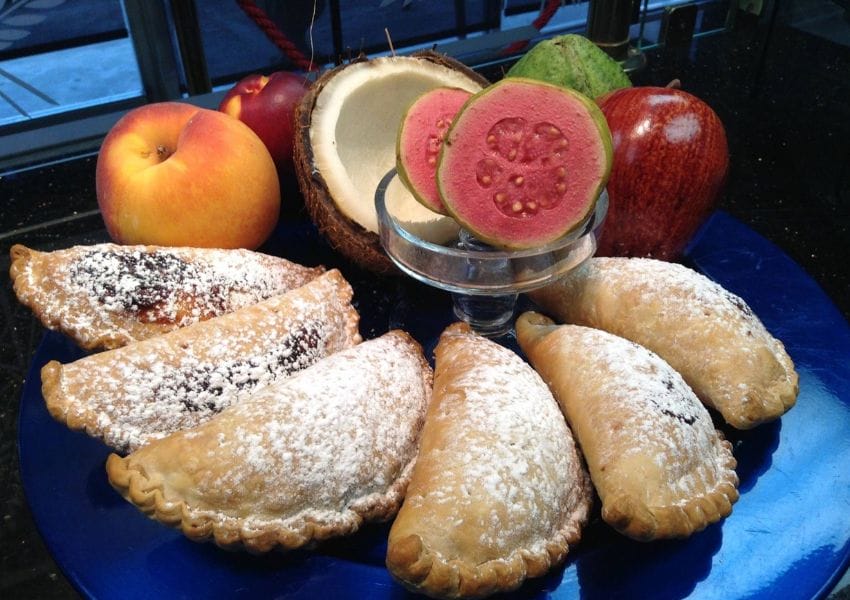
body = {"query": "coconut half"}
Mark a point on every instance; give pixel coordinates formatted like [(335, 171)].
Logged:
[(417, 218), (345, 143)]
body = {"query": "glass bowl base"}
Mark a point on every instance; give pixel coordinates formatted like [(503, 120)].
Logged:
[(490, 316), (484, 281)]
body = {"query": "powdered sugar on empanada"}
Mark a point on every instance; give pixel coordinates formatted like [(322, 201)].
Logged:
[(658, 464), (709, 335), (149, 389), (108, 295), (301, 460), (499, 492)]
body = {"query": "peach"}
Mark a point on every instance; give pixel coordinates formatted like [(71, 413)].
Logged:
[(173, 174)]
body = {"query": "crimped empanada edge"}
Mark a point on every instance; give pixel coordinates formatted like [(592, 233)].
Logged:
[(51, 377), (68, 413), (20, 257), (236, 533), (679, 520), (336, 291), (421, 570), (22, 260), (112, 336), (232, 533), (23, 257), (763, 403)]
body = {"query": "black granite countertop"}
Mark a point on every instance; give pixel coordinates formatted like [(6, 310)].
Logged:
[(784, 96)]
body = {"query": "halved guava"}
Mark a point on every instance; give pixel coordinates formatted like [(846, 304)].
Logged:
[(345, 142), (420, 138), (524, 163)]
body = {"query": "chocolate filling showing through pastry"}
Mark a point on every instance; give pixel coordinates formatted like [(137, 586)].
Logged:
[(207, 387), (669, 384), (157, 287), (667, 399)]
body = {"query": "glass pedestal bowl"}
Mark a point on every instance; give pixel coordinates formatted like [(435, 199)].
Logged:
[(484, 281)]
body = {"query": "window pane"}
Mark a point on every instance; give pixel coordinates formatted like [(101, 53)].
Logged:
[(43, 25), (235, 44), (411, 21), (58, 56), (74, 78)]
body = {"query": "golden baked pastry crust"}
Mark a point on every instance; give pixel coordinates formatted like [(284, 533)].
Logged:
[(499, 492), (299, 461), (706, 333), (106, 295), (659, 466), (148, 389)]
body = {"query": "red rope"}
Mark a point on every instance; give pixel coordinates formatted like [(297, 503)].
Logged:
[(546, 13), (261, 18)]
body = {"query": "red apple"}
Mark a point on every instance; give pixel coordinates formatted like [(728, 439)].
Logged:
[(173, 174), (671, 162), (267, 104)]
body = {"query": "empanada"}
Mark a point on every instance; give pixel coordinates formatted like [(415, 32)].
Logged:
[(146, 390), (706, 333), (658, 464), (304, 459), (499, 492), (105, 296)]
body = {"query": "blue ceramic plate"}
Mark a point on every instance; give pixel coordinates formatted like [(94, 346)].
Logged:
[(788, 535)]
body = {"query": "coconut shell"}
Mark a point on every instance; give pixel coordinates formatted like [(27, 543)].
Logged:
[(347, 237)]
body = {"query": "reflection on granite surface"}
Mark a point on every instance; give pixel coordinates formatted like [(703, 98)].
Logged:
[(788, 122)]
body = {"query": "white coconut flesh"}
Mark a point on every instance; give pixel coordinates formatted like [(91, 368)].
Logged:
[(416, 218), (353, 132)]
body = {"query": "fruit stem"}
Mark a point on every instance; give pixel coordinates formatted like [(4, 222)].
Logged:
[(162, 152)]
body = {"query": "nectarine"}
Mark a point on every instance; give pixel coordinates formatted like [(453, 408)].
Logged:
[(173, 174), (267, 104)]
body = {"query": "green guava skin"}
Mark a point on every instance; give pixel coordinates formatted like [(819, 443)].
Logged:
[(574, 62)]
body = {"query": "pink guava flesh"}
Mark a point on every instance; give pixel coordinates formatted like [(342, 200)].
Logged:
[(420, 138), (524, 163)]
